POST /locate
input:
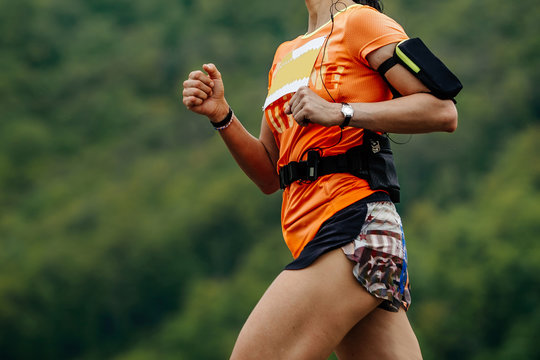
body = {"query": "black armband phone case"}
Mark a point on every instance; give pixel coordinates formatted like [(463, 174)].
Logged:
[(422, 63)]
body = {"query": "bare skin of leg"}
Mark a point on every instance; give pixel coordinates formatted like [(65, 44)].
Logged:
[(305, 313), (380, 335)]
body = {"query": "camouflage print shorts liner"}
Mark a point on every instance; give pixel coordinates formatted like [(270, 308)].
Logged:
[(380, 255)]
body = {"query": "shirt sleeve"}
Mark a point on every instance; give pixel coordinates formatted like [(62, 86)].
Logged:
[(368, 30)]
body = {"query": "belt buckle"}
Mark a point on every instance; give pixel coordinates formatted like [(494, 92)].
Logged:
[(313, 158)]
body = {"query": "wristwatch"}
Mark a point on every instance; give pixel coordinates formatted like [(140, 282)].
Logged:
[(348, 112)]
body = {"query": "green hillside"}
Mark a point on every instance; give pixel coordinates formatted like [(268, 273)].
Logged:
[(127, 231)]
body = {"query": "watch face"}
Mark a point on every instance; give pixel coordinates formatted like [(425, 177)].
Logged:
[(347, 110)]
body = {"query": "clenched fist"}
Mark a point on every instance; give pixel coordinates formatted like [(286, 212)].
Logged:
[(204, 93)]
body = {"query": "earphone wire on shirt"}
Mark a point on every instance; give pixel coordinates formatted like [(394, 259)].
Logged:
[(333, 7), (320, 149)]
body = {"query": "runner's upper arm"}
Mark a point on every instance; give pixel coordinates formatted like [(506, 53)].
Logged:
[(400, 78)]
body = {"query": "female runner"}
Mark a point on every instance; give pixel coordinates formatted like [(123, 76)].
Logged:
[(347, 289)]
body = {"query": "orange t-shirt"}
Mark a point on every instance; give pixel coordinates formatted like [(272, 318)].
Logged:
[(358, 31)]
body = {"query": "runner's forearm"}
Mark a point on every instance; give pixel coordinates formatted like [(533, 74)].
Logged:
[(413, 114), (251, 155)]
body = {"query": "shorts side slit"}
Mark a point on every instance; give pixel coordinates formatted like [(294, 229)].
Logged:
[(370, 234)]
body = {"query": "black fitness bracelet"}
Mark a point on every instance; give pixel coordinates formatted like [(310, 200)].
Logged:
[(225, 122)]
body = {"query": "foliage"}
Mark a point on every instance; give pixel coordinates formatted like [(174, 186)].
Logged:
[(128, 232), (475, 266)]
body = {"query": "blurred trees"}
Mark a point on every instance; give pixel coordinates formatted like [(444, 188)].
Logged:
[(475, 265), (128, 232)]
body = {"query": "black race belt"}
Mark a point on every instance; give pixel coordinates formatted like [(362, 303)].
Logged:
[(316, 166)]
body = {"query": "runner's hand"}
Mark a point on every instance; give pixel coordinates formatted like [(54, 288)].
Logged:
[(307, 107), (204, 93)]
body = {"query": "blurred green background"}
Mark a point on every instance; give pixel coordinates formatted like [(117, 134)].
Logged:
[(127, 231)]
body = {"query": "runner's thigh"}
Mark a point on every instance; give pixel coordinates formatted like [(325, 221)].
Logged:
[(381, 335), (305, 313)]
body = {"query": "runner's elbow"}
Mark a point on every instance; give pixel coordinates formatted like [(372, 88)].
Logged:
[(449, 117), (268, 185), (268, 188)]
